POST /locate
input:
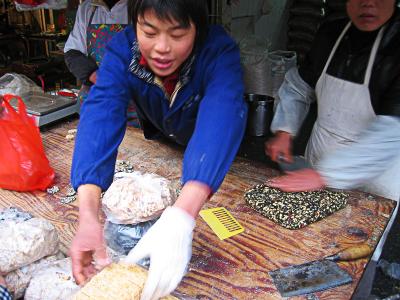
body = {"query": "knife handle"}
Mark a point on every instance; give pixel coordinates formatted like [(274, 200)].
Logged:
[(351, 253)]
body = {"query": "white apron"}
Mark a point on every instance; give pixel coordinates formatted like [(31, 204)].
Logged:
[(344, 111)]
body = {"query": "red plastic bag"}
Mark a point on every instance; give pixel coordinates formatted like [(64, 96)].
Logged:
[(23, 163)]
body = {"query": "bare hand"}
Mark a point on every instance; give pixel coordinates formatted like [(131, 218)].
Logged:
[(93, 77), (280, 146), (88, 251), (298, 181), (2, 281)]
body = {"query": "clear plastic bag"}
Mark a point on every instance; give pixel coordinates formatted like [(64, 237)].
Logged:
[(132, 204), (137, 197), (253, 54), (14, 214), (54, 282), (23, 243), (18, 280), (48, 4), (17, 84), (279, 62)]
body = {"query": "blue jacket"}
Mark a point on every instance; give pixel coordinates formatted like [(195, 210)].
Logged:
[(208, 113)]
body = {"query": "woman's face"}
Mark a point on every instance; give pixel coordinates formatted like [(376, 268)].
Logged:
[(369, 15), (164, 44)]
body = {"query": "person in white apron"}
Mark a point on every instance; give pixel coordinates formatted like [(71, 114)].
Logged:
[(337, 125), (350, 145)]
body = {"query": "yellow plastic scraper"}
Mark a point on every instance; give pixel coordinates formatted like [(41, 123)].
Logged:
[(221, 222)]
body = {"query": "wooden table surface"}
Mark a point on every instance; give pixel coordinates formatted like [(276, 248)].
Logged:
[(236, 268)]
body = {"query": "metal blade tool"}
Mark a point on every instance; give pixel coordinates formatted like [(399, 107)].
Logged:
[(317, 275), (299, 163)]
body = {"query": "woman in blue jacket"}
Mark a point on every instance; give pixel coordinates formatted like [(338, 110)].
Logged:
[(186, 81)]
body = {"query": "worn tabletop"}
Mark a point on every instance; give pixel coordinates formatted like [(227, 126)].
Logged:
[(235, 268)]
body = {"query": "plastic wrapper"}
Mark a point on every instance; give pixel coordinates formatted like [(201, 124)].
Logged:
[(23, 162), (121, 238), (14, 214), (55, 282), (253, 54), (17, 84), (279, 62), (18, 280), (47, 4), (24, 242), (137, 197)]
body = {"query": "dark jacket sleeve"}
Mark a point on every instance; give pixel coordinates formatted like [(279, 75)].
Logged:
[(390, 100), (80, 65), (310, 70)]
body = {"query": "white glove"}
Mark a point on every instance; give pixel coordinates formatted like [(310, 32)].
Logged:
[(168, 243)]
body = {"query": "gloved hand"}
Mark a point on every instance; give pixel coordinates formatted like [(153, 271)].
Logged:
[(297, 181), (280, 146), (168, 243)]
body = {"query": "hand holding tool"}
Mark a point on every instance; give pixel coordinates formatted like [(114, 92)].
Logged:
[(298, 181), (298, 163)]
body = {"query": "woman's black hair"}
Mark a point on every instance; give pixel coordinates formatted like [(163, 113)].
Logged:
[(183, 11)]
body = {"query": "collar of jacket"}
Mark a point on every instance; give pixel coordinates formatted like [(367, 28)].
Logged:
[(140, 71), (102, 3)]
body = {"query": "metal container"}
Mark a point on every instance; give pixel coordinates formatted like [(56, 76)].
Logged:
[(260, 114)]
